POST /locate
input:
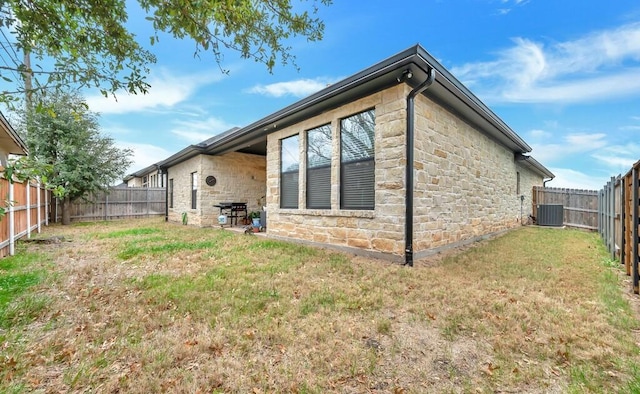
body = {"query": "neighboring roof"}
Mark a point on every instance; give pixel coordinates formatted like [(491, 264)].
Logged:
[(142, 172), (10, 140), (446, 90), (534, 165)]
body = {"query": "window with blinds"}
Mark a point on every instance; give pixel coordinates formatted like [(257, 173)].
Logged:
[(357, 159), (194, 190), (319, 150), (289, 170), (171, 193)]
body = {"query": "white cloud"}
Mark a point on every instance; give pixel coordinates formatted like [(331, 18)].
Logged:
[(630, 128), (598, 66), (144, 155), (166, 91), (511, 4), (540, 134), (618, 158), (297, 88), (195, 131), (573, 179), (571, 144)]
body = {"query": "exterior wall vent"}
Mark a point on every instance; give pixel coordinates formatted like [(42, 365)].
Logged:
[(550, 215)]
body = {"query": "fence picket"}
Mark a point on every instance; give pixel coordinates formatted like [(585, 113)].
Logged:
[(118, 203), (580, 207)]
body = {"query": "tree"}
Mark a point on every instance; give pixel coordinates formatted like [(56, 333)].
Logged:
[(65, 140), (86, 43)]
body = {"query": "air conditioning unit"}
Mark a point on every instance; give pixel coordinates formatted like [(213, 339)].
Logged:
[(550, 215)]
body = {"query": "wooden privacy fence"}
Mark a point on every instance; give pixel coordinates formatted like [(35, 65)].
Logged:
[(26, 205), (580, 207), (117, 203), (619, 206)]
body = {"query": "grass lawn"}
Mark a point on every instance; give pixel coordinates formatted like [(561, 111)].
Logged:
[(147, 306)]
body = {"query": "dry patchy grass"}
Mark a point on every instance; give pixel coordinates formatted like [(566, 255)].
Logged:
[(149, 306)]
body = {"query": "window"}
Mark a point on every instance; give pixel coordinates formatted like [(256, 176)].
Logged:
[(518, 182), (357, 161), (319, 167), (145, 181), (289, 169), (194, 189), (171, 193)]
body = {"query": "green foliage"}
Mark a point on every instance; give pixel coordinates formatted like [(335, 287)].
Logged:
[(67, 147), (87, 44), (16, 277), (130, 232)]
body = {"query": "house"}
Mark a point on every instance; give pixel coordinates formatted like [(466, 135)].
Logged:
[(10, 142), (201, 176), (147, 177), (399, 160)]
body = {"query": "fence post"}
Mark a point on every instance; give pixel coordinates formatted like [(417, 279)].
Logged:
[(604, 215), (623, 203), (612, 219), (12, 219), (38, 213), (28, 191), (634, 230), (147, 198), (106, 206)]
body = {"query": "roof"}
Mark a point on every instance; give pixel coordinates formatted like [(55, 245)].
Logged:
[(142, 172), (446, 90), (194, 150), (534, 165), (10, 140)]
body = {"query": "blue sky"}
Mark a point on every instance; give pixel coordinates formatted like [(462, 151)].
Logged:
[(565, 75)]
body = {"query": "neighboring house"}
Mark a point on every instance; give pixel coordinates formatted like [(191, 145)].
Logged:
[(10, 142), (146, 177), (398, 160)]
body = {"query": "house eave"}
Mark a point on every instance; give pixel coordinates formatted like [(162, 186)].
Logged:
[(12, 141), (534, 165), (185, 154), (447, 91)]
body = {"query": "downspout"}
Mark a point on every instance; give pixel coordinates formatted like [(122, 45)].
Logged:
[(408, 226), (544, 182)]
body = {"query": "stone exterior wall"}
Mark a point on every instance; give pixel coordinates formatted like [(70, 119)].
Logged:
[(240, 177), (528, 179), (465, 182), (181, 175)]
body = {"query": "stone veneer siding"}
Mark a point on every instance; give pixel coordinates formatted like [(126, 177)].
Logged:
[(240, 177), (465, 183)]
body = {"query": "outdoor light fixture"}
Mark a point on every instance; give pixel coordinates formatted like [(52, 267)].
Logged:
[(406, 74)]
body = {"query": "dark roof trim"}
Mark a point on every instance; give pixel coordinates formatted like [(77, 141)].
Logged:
[(534, 165), (453, 85), (194, 150), (142, 172), (446, 90)]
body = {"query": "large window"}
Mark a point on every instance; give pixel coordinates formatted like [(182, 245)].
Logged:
[(289, 170), (357, 169), (319, 167), (171, 193), (194, 189)]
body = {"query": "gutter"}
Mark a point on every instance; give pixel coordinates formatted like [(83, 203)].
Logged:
[(408, 229)]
